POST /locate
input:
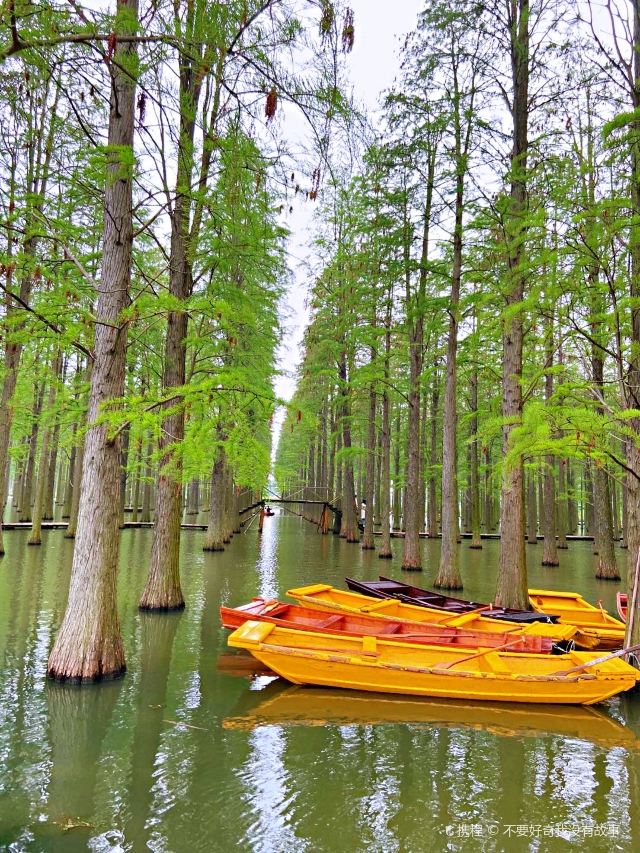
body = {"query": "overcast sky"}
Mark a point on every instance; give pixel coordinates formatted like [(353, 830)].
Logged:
[(373, 64)]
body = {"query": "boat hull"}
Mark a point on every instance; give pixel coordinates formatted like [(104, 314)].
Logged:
[(410, 670), (621, 604), (325, 597), (388, 588), (356, 625), (606, 631)]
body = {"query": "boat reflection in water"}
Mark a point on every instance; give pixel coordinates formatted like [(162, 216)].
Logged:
[(281, 704)]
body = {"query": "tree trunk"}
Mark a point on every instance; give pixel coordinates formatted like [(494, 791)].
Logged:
[(89, 646), (349, 518), (412, 557), (213, 540), (432, 502), (43, 468), (397, 488), (474, 486), (135, 498), (367, 539), (532, 509), (607, 568), (124, 461), (27, 484), (193, 503), (50, 489), (511, 590), (572, 507), (70, 532), (563, 505), (145, 515), (36, 187), (550, 551), (448, 576), (385, 552)]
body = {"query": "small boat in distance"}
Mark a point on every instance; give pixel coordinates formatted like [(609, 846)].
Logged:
[(358, 625), (388, 666), (621, 604), (388, 588)]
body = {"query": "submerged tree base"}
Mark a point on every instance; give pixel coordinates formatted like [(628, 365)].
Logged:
[(411, 568), (475, 546), (76, 679), (448, 585), (161, 608), (552, 563), (213, 548), (388, 556)]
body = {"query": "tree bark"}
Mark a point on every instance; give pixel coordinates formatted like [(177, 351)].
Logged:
[(532, 509), (29, 472), (349, 518), (213, 540), (385, 552), (563, 505), (397, 488), (511, 590), (413, 513), (550, 550), (89, 646), (35, 537), (367, 539), (474, 485)]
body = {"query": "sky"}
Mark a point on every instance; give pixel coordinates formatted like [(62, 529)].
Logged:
[(373, 64)]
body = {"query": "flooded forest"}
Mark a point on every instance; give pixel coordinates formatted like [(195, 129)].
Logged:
[(262, 328)]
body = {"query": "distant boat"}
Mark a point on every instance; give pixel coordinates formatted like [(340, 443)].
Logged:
[(388, 666), (355, 625), (387, 588)]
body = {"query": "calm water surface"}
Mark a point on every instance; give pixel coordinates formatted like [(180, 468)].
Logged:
[(194, 751)]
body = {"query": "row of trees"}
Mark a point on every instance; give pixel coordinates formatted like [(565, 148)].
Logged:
[(475, 332), (142, 262)]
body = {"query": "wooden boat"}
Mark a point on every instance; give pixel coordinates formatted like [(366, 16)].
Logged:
[(388, 588), (621, 603), (356, 624), (325, 597), (388, 666), (571, 608), (284, 705)]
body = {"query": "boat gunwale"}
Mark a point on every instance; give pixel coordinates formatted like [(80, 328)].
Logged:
[(364, 658)]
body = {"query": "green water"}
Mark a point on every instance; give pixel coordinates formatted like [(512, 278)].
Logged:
[(193, 751)]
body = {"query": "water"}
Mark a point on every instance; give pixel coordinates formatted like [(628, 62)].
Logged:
[(193, 751)]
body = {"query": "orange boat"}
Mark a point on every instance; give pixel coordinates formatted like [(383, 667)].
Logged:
[(358, 625), (621, 603)]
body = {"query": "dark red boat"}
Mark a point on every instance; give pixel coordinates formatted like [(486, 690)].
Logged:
[(352, 624), (621, 602), (388, 588)]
